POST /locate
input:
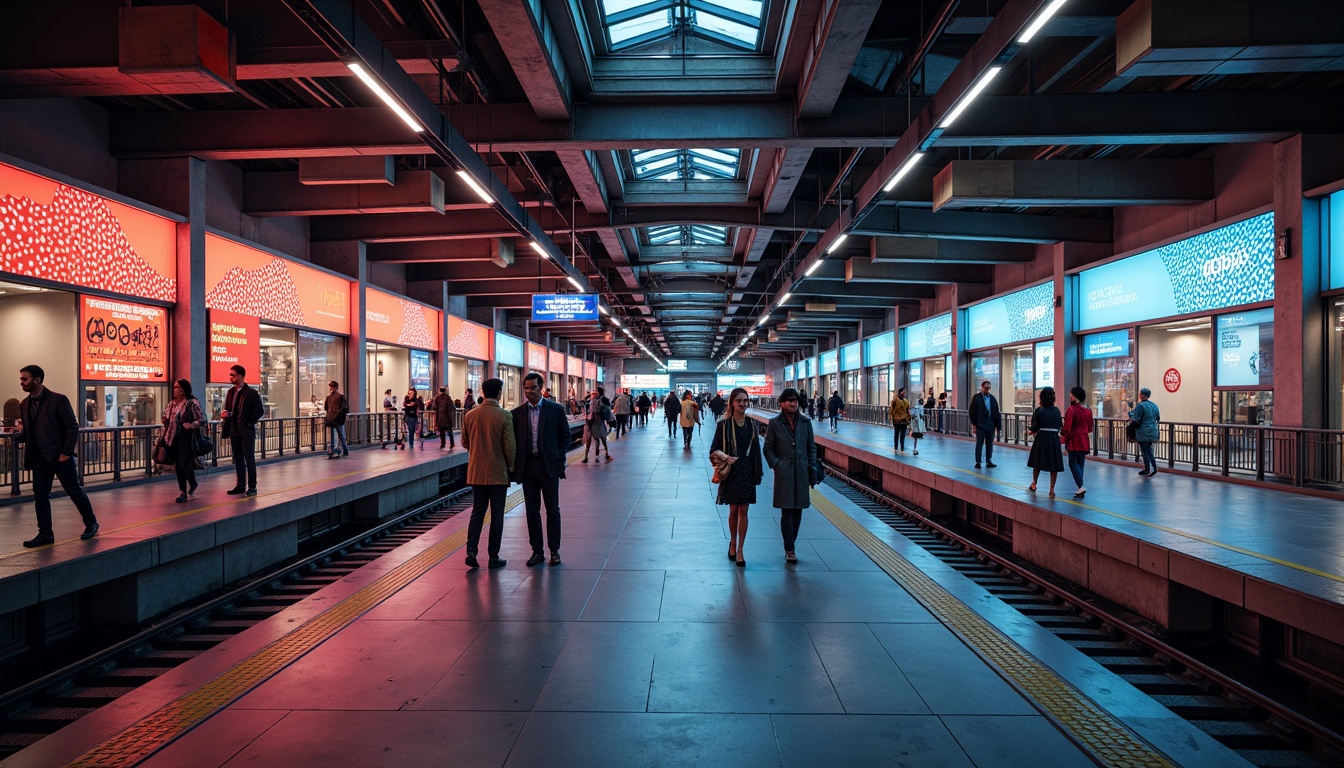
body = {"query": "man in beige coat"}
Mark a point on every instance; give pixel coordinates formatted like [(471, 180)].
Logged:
[(487, 437)]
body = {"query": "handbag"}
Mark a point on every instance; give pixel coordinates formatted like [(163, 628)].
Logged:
[(202, 445), (161, 452), (1132, 431)]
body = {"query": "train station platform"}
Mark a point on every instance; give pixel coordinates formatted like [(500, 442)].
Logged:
[(645, 647), (1166, 547)]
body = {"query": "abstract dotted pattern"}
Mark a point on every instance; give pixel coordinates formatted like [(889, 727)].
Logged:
[(1031, 313), (414, 327), (77, 240), (467, 342), (1229, 266), (268, 292)]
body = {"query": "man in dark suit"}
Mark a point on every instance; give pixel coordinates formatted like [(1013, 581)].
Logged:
[(541, 432), (986, 420), (242, 411), (50, 433)]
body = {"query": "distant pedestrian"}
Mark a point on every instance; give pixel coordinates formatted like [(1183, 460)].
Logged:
[(595, 422), (238, 423), (835, 408), (718, 405), (1077, 435), (918, 424), (986, 421), (488, 438), (689, 418), (671, 413), (1145, 417), (623, 406), (541, 437), (445, 417), (50, 432), (1045, 456), (791, 451), (642, 405), (412, 407), (468, 400), (941, 408), (735, 453), (900, 419), (336, 407), (182, 421)]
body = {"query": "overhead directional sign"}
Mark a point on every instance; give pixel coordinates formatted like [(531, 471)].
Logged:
[(563, 307)]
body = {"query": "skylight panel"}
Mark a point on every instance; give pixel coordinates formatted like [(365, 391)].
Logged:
[(681, 164), (631, 23)]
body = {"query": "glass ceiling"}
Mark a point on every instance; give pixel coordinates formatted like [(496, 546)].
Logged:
[(687, 234), (635, 22), (684, 164)]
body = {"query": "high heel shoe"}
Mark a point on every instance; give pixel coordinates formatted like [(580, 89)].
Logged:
[(1032, 487), (732, 553), (741, 561)]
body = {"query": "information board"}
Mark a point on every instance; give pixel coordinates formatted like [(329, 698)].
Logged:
[(234, 340), (642, 382), (1245, 351), (563, 307), (122, 341)]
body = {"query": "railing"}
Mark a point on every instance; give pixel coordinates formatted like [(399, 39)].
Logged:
[(1301, 457), (116, 454)]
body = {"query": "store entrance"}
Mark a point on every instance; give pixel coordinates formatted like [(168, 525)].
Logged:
[(1246, 407)]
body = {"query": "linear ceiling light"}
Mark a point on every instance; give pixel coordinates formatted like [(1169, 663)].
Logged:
[(386, 97), (906, 167), (575, 283), (787, 295), (1039, 21), (466, 176), (616, 322), (970, 95), (836, 243), (814, 267), (602, 309), (541, 250)]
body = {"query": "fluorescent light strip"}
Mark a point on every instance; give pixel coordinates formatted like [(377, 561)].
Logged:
[(813, 268), (906, 167), (970, 95), (475, 187), (386, 97), (616, 322), (577, 285), (602, 309), (541, 250), (1039, 21), (837, 242)]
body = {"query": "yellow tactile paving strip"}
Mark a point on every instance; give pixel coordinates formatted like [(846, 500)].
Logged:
[(158, 729), (1108, 740)]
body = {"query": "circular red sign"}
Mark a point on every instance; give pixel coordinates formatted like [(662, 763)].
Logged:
[(1171, 379)]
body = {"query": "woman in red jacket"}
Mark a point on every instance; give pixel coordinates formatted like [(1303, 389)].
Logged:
[(1075, 435)]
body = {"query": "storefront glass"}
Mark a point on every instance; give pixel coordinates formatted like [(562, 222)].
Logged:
[(388, 367), (879, 385), (985, 366), (1335, 308), (1108, 372), (122, 405), (321, 360)]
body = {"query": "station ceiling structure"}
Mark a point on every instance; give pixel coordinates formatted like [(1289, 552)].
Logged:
[(707, 166)]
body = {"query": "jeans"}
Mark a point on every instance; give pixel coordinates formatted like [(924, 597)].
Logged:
[(687, 433), (789, 520), (671, 426), (446, 437), (336, 436), (44, 471), (1146, 450), (483, 496), (984, 438), (244, 460), (835, 419), (900, 435), (412, 426), (1076, 461)]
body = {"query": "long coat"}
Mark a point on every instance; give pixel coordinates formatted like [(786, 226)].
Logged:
[(793, 457), (487, 436)]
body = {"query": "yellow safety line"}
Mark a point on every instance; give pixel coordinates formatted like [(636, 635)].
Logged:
[(1110, 741), (158, 729), (1127, 518)]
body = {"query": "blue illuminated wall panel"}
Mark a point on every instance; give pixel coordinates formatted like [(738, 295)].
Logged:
[(927, 338), (880, 349), (1019, 316)]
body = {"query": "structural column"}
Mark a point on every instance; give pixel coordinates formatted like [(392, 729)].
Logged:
[(1299, 321)]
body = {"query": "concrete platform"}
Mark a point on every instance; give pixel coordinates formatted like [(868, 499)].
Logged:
[(646, 647), (1162, 546)]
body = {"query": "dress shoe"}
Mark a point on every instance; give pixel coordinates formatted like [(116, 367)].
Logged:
[(990, 464), (471, 561), (535, 559), (555, 557), (1143, 473), (790, 557), (498, 562), (236, 490), (90, 531), (977, 465), (251, 492), (181, 498), (39, 541)]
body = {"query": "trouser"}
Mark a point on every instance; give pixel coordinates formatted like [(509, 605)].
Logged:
[(446, 437), (622, 423), (184, 461), (789, 520), (1146, 450), (412, 426), (899, 437), (835, 419), (44, 471), (244, 460), (336, 438), (984, 438), (493, 497), (1076, 461), (539, 486), (687, 433), (671, 426)]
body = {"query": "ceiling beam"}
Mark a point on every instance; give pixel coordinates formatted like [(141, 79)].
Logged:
[(863, 270), (908, 250), (974, 225), (284, 194), (995, 183)]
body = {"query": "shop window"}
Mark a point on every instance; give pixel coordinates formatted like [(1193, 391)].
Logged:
[(321, 360), (1108, 372), (279, 369), (123, 405), (985, 366), (1022, 399)]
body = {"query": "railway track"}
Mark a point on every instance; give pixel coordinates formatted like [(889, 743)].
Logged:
[(1262, 731)]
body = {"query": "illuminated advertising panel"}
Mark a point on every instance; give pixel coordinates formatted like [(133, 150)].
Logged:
[(249, 281), (590, 370), (393, 320), (574, 367), (1334, 209), (880, 349), (829, 362), (468, 339), (509, 350), (67, 235), (676, 365), (1045, 364), (420, 369), (788, 373), (850, 357), (756, 384), (563, 307), (601, 373), (1098, 346), (1245, 351), (557, 361), (122, 341), (234, 340), (927, 338), (1227, 267), (646, 381), (1018, 316), (536, 357)]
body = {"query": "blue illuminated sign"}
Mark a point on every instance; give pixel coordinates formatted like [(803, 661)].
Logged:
[(1335, 224), (509, 350), (788, 373), (927, 338), (829, 362), (1227, 267), (1245, 352), (880, 349), (1019, 316), (915, 380), (1103, 345), (601, 374), (420, 370), (809, 368), (850, 358), (563, 307)]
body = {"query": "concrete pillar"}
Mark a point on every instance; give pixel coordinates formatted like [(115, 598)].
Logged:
[(1299, 352), (191, 328)]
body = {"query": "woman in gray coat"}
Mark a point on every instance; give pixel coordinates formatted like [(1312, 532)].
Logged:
[(791, 452)]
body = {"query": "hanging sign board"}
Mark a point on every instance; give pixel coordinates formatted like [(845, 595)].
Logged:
[(122, 341)]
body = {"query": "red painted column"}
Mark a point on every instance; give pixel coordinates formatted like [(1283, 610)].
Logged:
[(1299, 320)]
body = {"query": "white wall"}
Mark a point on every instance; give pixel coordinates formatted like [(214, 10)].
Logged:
[(43, 329), (396, 375), (1187, 352)]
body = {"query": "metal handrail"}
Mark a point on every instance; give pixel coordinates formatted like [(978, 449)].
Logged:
[(1273, 455)]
